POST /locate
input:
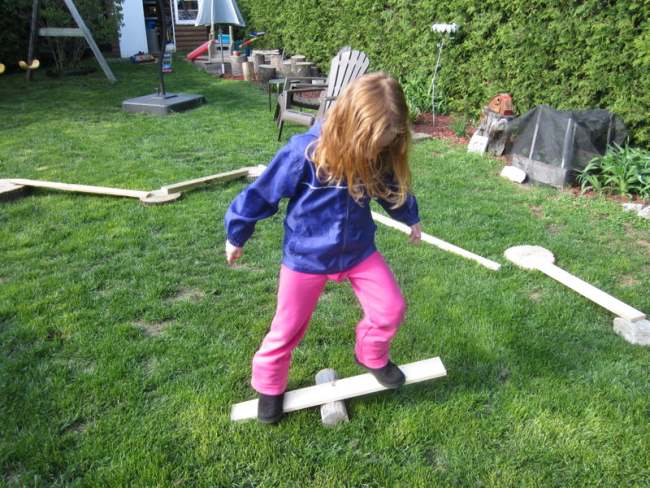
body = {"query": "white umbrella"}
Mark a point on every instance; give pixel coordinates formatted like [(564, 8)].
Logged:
[(219, 12)]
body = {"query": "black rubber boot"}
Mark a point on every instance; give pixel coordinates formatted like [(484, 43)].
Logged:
[(269, 408), (389, 376)]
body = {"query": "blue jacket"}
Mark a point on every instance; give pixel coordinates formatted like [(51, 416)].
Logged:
[(325, 230)]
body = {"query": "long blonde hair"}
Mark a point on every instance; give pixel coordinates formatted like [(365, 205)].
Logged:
[(365, 140)]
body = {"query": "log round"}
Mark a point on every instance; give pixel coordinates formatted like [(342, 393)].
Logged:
[(266, 72), (302, 69), (236, 64), (258, 59), (247, 71)]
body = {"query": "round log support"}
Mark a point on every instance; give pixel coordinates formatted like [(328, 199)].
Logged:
[(248, 71), (331, 413), (266, 72)]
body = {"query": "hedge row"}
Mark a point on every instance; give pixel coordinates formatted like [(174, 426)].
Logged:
[(569, 54)]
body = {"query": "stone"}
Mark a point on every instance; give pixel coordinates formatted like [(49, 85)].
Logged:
[(637, 332), (513, 174), (420, 136)]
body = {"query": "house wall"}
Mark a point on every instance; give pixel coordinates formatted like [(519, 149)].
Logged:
[(133, 36), (189, 37)]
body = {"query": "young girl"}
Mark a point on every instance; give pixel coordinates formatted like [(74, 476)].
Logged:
[(329, 176)]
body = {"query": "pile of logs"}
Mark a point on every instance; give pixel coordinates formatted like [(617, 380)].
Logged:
[(265, 65)]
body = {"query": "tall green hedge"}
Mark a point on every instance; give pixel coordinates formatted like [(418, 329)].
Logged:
[(569, 54)]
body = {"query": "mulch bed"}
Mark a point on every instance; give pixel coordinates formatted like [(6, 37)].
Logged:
[(442, 128)]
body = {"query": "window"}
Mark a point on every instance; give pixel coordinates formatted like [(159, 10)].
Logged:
[(186, 11)]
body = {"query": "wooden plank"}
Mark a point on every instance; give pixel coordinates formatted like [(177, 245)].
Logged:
[(60, 32), (445, 246), (9, 191), (594, 294), (90, 40), (354, 386), (186, 185), (98, 190)]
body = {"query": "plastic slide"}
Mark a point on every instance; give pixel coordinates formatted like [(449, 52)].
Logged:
[(202, 49)]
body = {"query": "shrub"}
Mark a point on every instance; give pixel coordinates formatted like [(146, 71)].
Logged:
[(104, 25), (102, 17), (459, 126), (621, 171), (570, 55)]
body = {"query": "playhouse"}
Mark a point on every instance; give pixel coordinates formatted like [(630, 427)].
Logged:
[(140, 30)]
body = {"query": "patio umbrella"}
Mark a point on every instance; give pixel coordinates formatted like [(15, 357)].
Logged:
[(219, 12)]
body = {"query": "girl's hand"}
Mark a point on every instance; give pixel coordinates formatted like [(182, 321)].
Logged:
[(233, 253), (416, 234)]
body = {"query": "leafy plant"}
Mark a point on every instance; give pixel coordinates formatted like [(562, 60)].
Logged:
[(459, 126), (623, 170), (569, 54), (102, 20)]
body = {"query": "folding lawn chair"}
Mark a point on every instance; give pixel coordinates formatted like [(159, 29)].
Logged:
[(345, 67)]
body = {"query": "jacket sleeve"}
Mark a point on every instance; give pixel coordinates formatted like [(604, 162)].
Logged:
[(408, 213), (261, 198)]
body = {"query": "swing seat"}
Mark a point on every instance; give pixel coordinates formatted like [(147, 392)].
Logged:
[(2, 68), (35, 65)]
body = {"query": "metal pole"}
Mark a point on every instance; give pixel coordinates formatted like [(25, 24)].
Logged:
[(433, 83), (163, 45), (33, 33)]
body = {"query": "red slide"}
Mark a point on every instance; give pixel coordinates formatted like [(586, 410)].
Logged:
[(202, 49)]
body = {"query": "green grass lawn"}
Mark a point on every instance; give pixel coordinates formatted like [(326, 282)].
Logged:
[(125, 337)]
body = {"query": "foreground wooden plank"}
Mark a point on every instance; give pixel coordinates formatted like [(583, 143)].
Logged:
[(97, 190), (445, 246), (539, 258), (596, 295), (9, 191), (189, 184), (363, 384)]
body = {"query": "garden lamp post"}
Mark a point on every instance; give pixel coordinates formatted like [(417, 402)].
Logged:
[(444, 30)]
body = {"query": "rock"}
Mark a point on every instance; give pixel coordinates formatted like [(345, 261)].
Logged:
[(513, 174), (637, 332), (419, 136)]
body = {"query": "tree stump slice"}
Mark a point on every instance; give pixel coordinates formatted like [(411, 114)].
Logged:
[(298, 58), (258, 59), (266, 72), (331, 413), (236, 64), (286, 70), (276, 62), (302, 68), (247, 71)]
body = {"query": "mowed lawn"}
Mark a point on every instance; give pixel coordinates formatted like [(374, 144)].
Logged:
[(125, 337)]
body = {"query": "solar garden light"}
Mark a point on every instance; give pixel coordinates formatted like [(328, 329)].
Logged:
[(444, 30)]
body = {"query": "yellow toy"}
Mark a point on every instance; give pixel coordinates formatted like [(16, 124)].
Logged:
[(35, 64)]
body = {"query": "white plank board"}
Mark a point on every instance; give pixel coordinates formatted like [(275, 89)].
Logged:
[(364, 384), (97, 190), (445, 246), (594, 294)]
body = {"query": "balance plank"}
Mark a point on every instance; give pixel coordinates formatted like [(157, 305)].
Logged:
[(364, 384), (186, 185), (445, 246), (9, 191), (605, 300), (96, 190)]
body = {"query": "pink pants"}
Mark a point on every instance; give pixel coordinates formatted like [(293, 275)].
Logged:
[(298, 293)]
